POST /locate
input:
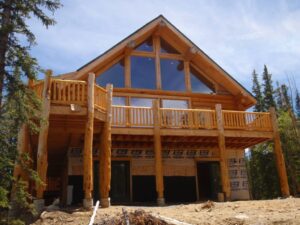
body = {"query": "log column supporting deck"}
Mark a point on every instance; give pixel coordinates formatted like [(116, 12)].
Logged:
[(280, 163), (42, 152), (88, 145), (105, 153), (158, 155), (223, 155), (24, 147)]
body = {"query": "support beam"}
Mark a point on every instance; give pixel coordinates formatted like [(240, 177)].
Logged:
[(223, 155), (105, 153), (280, 163), (42, 152), (158, 154), (88, 145)]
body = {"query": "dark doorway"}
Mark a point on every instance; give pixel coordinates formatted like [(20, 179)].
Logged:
[(180, 189), (208, 180), (143, 188), (96, 194), (77, 183), (120, 181)]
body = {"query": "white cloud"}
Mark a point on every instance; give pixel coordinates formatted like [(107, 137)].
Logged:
[(239, 35)]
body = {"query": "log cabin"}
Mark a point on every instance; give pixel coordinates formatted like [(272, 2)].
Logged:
[(153, 119)]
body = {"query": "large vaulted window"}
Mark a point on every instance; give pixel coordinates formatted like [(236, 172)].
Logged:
[(143, 72), (199, 83), (172, 75), (114, 75)]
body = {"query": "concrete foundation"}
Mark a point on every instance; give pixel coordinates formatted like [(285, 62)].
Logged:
[(88, 203), (105, 202), (160, 201)]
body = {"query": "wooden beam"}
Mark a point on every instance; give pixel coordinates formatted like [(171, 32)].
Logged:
[(88, 144), (187, 76), (105, 153), (42, 152), (156, 42), (158, 154), (223, 155), (280, 163)]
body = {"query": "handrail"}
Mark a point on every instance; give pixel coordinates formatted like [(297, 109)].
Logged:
[(68, 92), (132, 116), (100, 97), (260, 121), (188, 118), (38, 88)]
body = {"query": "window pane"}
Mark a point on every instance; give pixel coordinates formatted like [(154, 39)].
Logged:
[(119, 100), (143, 72), (146, 46), (165, 47), (172, 75), (176, 104), (198, 83), (114, 75), (144, 102)]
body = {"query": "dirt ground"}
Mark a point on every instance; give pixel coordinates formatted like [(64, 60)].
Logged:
[(275, 212)]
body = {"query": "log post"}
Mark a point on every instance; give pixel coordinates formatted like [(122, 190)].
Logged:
[(42, 152), (223, 155), (158, 154), (280, 163), (88, 145), (105, 152)]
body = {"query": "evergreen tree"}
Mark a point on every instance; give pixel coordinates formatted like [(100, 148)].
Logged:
[(297, 104), (18, 104), (256, 90), (268, 90)]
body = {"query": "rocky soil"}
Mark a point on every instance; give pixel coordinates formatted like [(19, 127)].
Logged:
[(264, 212)]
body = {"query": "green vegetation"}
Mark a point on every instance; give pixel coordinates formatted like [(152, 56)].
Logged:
[(263, 176), (18, 105)]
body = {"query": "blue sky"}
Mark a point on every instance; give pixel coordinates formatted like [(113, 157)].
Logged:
[(240, 35)]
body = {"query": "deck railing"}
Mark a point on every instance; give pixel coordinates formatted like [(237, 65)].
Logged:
[(259, 121), (188, 118), (100, 98), (130, 116), (65, 92), (68, 92)]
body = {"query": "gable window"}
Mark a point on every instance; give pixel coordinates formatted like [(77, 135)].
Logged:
[(143, 72), (114, 75), (143, 102), (198, 83), (165, 47), (119, 101), (175, 104), (146, 46), (172, 75)]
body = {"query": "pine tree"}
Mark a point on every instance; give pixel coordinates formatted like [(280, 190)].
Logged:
[(297, 104), (268, 90), (18, 104), (256, 90)]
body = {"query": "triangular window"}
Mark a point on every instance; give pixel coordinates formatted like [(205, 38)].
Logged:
[(146, 46), (114, 75), (165, 47), (199, 84)]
